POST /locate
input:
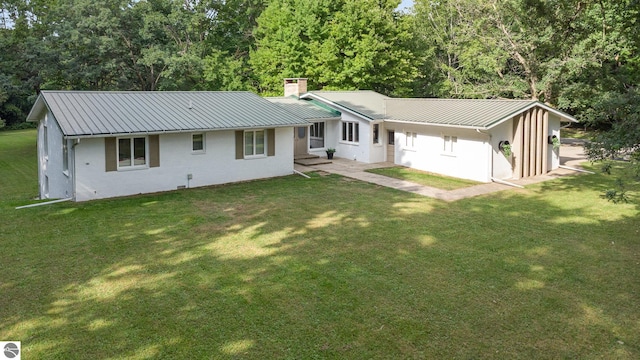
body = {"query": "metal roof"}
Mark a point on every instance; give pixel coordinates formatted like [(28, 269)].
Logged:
[(474, 113), (87, 113), (367, 103), (306, 109)]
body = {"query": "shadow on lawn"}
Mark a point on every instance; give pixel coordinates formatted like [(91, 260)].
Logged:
[(325, 267)]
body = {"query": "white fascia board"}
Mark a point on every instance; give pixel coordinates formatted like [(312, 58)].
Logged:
[(36, 110), (434, 124), (563, 116), (146, 133), (315, 120)]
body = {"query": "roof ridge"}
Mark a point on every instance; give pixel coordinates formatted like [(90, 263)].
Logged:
[(147, 91), (450, 99), (338, 91)]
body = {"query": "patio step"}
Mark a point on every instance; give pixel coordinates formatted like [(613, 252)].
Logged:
[(305, 156), (311, 161)]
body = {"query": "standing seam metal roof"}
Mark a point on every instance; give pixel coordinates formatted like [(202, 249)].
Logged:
[(455, 112), (365, 102), (86, 113), (473, 113), (306, 109)]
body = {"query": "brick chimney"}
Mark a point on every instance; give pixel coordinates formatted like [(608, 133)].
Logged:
[(295, 86)]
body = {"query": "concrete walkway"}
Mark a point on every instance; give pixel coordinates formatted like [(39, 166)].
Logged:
[(571, 155)]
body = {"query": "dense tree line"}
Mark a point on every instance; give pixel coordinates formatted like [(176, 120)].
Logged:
[(581, 56)]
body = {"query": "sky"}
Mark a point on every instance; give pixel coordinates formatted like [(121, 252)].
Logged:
[(405, 4)]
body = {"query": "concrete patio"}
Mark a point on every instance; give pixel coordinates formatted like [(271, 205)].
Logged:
[(572, 154)]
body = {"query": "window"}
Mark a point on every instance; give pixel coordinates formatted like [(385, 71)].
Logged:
[(410, 140), (197, 142), (45, 141), (65, 156), (450, 144), (376, 133), (254, 143), (316, 131), (132, 152), (350, 131), (391, 137)]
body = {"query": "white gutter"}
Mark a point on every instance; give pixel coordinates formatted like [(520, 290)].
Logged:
[(433, 124), (146, 133), (43, 203)]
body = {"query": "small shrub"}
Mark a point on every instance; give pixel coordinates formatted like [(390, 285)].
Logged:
[(618, 195)]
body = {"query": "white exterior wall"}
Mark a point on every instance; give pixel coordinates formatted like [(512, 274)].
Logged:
[(359, 151), (553, 156), (502, 165), (217, 165), (331, 135), (54, 182), (470, 160)]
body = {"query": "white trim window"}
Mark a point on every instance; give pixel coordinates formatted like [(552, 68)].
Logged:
[(197, 143), (132, 152), (376, 133), (351, 131), (410, 140), (450, 144), (316, 135), (45, 140), (254, 143), (65, 156)]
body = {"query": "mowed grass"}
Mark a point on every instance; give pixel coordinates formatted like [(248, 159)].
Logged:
[(18, 165), (576, 133), (320, 268), (424, 178)]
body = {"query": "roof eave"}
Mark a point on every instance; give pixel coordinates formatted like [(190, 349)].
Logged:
[(104, 135), (313, 120), (334, 104), (37, 109), (436, 124)]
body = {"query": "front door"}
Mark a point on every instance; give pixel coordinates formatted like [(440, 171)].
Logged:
[(391, 147), (300, 141)]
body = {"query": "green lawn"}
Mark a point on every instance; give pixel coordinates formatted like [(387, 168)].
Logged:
[(576, 133), (318, 268), (423, 177)]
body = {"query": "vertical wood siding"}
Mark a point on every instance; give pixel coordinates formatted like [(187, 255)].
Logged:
[(530, 143)]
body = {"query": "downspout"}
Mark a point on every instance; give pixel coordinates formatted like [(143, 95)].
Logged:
[(490, 169), (43, 203), (73, 175), (301, 174)]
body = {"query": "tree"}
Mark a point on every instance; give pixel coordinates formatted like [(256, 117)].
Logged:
[(365, 48), (606, 95), (23, 58), (230, 38), (343, 44), (505, 48), (145, 45), (225, 72)]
